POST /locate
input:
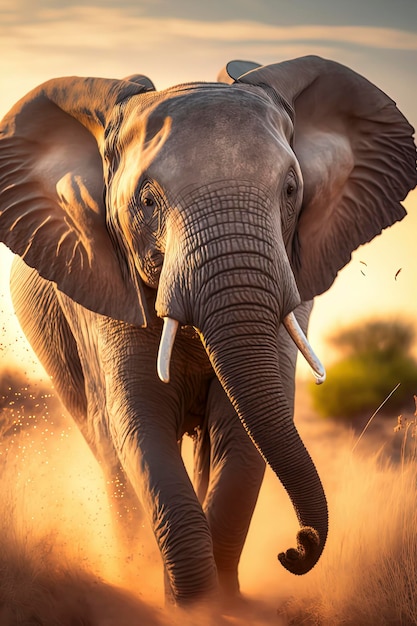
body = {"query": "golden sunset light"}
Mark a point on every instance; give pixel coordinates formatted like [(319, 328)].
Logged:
[(42, 41), (101, 524)]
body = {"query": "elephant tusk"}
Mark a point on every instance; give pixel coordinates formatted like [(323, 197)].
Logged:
[(165, 348), (300, 340)]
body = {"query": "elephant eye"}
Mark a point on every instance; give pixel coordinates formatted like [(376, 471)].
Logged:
[(149, 206), (147, 198), (147, 201), (291, 185), (289, 196), (290, 189)]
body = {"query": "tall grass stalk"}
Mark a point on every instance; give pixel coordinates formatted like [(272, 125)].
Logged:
[(374, 414), (368, 571)]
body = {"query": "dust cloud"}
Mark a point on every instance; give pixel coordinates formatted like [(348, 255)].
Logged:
[(59, 565)]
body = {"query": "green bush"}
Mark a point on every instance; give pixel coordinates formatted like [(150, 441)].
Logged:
[(375, 358)]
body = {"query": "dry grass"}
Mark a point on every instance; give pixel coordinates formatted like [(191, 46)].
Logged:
[(368, 573), (58, 562), (59, 565), (41, 586)]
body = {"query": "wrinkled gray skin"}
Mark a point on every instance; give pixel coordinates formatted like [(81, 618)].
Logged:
[(224, 206)]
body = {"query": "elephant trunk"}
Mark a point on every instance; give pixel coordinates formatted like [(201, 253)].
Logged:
[(244, 354), (245, 358), (232, 281)]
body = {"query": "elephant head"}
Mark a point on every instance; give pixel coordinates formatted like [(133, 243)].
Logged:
[(221, 206)]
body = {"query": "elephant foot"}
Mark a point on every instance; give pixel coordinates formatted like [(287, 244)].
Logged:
[(205, 601), (208, 611), (227, 606), (228, 583), (246, 610)]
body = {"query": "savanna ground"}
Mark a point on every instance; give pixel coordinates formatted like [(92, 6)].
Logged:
[(59, 565)]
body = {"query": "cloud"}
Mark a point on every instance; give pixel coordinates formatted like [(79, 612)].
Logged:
[(101, 27), (374, 37), (115, 41)]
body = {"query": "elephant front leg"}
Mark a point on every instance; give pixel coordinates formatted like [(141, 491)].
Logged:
[(235, 476), (156, 470), (144, 416)]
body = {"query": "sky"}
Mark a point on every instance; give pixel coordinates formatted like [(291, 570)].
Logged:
[(174, 41)]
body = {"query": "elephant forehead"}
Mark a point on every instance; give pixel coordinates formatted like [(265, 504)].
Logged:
[(215, 133), (228, 118)]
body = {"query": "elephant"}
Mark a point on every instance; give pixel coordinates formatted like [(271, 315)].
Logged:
[(169, 245)]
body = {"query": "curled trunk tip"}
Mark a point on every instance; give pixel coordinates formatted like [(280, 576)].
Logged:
[(303, 558)]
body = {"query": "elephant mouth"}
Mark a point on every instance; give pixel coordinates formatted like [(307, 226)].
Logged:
[(169, 332)]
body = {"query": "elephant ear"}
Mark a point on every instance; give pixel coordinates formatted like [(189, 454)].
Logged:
[(52, 211), (357, 157), (234, 69), (142, 80)]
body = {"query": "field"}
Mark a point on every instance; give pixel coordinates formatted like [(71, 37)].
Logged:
[(59, 565)]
